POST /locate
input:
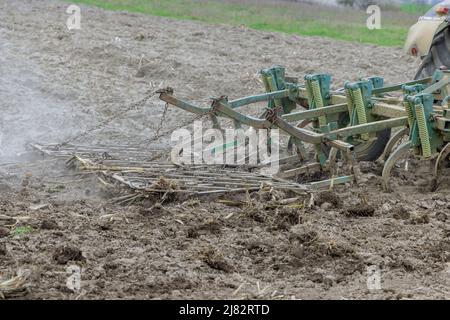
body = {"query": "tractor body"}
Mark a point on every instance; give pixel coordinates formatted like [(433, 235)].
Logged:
[(429, 39)]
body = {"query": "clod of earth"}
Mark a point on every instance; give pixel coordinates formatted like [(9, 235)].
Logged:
[(302, 235), (419, 218), (105, 224), (4, 232), (167, 187), (3, 250), (47, 224), (318, 277), (287, 217), (64, 254), (307, 242), (213, 258), (360, 210), (441, 216), (212, 227), (328, 197), (255, 213), (401, 213)]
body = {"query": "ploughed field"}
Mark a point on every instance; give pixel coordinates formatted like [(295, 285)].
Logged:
[(56, 83)]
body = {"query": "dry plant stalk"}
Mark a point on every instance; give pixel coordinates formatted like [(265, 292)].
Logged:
[(164, 184), (14, 287)]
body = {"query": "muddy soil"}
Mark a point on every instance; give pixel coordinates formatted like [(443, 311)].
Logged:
[(56, 83)]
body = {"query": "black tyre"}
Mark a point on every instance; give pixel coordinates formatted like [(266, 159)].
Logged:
[(371, 151), (438, 57)]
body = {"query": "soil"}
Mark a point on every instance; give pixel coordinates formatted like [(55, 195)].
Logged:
[(56, 83)]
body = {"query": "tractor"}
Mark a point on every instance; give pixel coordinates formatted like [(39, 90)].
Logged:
[(429, 39)]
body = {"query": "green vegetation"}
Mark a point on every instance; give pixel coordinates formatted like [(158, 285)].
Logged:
[(294, 18), (55, 189), (19, 231), (414, 8)]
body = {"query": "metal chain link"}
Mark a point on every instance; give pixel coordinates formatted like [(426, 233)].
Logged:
[(171, 130), (161, 121), (148, 95)]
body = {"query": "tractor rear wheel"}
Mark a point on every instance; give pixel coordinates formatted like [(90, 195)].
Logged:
[(369, 151), (372, 150), (438, 57)]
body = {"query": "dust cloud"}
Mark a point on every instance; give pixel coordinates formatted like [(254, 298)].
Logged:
[(28, 113)]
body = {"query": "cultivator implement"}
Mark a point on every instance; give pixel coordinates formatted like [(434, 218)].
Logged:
[(364, 121), (134, 172)]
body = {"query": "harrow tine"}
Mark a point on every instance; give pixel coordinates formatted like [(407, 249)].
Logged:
[(396, 155), (396, 138), (300, 146), (312, 167), (443, 155), (332, 182), (332, 157)]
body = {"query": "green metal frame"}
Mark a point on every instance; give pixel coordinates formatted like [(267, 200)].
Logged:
[(344, 117)]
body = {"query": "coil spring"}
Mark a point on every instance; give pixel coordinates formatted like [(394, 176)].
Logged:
[(272, 87), (318, 99), (423, 130), (348, 94), (409, 113), (266, 83), (309, 93), (360, 110)]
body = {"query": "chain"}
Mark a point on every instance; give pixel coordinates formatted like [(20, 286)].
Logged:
[(148, 95), (161, 121), (171, 130)]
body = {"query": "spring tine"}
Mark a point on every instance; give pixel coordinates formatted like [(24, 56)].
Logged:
[(390, 162)]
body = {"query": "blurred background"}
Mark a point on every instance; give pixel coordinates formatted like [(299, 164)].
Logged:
[(338, 19)]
